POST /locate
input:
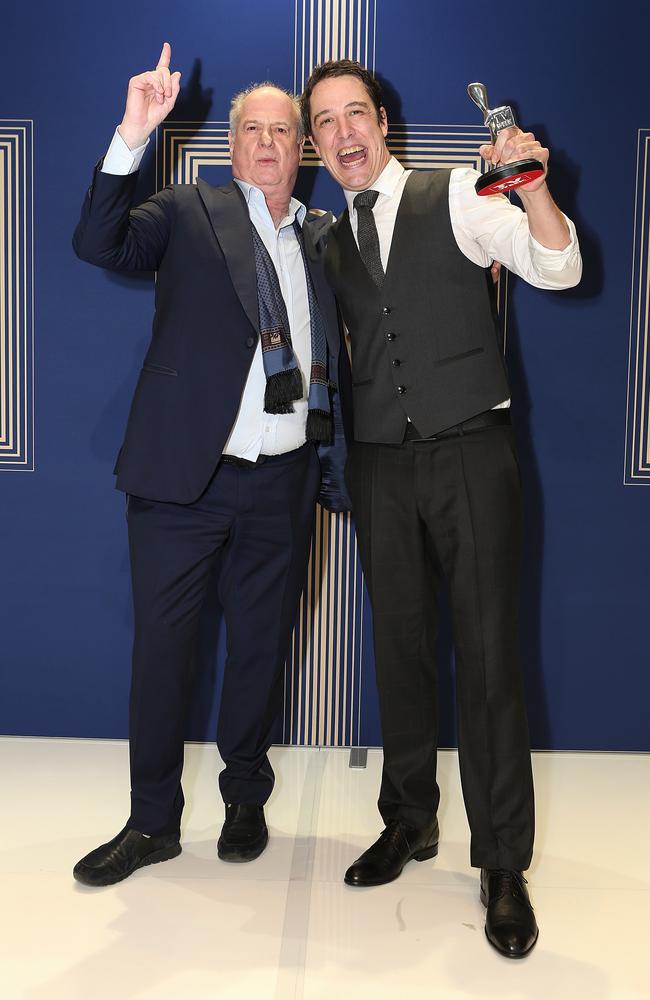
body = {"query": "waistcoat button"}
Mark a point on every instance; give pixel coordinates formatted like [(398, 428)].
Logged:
[(396, 363), (390, 336), (250, 341), (386, 310), (401, 389)]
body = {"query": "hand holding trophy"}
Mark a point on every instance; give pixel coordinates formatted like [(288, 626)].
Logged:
[(508, 175)]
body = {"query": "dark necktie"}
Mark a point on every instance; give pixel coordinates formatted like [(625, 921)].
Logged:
[(367, 235)]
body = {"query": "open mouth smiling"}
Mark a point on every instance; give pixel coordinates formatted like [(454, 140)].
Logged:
[(352, 156)]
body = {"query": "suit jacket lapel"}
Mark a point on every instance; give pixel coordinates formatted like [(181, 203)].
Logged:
[(315, 229), (230, 220)]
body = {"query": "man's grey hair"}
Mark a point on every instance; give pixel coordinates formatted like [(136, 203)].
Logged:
[(238, 102)]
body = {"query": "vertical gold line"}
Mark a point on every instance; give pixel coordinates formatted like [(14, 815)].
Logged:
[(331, 651), (311, 43), (354, 644), (315, 637), (365, 58), (3, 300), (643, 430), (359, 12), (30, 167), (342, 28), (25, 393), (327, 52), (309, 654), (641, 350), (360, 662), (303, 43), (319, 42), (302, 662), (339, 598), (323, 592), (630, 414), (10, 302), (319, 678), (21, 357), (335, 28), (346, 629)]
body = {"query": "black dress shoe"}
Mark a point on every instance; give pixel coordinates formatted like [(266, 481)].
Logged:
[(125, 853), (385, 860), (510, 924), (244, 834)]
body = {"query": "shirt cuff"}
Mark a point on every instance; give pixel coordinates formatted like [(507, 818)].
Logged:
[(121, 160)]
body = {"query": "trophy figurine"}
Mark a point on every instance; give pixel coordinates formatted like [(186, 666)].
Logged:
[(508, 175)]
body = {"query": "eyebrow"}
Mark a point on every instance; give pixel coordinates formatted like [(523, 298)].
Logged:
[(256, 121), (352, 104)]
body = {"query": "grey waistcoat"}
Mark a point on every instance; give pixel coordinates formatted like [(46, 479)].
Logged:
[(427, 345)]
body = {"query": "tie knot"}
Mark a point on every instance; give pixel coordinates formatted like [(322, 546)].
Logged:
[(365, 199)]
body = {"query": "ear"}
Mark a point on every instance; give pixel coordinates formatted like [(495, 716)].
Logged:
[(231, 141), (383, 121), (315, 145)]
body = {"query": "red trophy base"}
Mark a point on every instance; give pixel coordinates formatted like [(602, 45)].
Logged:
[(509, 176)]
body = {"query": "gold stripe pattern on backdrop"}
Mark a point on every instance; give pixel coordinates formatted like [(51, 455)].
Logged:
[(332, 29), (637, 432), (16, 298), (182, 148), (323, 670)]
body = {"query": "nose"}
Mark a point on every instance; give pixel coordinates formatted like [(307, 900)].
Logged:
[(343, 127), (266, 136)]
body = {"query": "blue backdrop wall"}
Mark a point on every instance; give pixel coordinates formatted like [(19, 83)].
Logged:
[(72, 340)]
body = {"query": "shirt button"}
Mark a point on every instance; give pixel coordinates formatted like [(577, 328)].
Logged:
[(396, 363), (390, 336), (250, 341), (386, 310), (401, 389)]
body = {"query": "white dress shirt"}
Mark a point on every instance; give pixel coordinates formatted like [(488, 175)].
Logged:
[(485, 229), (255, 432)]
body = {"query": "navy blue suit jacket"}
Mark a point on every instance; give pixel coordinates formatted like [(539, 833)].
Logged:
[(205, 330)]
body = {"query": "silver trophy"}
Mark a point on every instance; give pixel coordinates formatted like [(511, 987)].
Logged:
[(508, 175)]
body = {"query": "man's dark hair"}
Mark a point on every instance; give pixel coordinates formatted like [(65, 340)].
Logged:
[(339, 67)]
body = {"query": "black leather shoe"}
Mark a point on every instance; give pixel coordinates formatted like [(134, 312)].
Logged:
[(510, 924), (125, 853), (244, 834), (385, 860)]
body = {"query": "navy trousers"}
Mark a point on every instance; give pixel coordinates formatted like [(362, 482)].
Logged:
[(259, 522)]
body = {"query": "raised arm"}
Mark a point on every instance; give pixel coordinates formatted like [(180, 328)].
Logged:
[(546, 223), (110, 232)]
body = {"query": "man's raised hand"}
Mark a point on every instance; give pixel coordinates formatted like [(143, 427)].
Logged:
[(150, 98), (511, 145)]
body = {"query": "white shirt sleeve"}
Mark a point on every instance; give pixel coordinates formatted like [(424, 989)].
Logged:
[(121, 160), (491, 228)]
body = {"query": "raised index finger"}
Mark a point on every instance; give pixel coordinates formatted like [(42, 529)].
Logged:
[(165, 56)]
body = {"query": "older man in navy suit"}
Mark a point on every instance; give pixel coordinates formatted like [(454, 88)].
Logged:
[(235, 429)]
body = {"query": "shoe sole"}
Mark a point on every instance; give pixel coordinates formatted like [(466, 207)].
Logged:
[(425, 854), (236, 856), (506, 954), (154, 858)]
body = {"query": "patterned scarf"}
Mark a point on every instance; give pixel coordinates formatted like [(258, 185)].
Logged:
[(283, 376)]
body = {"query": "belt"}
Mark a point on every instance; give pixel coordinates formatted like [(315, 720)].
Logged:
[(243, 463), (491, 418)]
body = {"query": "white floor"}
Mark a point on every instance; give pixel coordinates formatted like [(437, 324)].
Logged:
[(285, 927)]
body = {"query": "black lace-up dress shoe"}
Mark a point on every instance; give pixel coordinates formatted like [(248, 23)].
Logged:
[(510, 924), (244, 834), (125, 853), (385, 860)]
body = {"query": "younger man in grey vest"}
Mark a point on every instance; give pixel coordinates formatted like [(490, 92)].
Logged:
[(433, 474)]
